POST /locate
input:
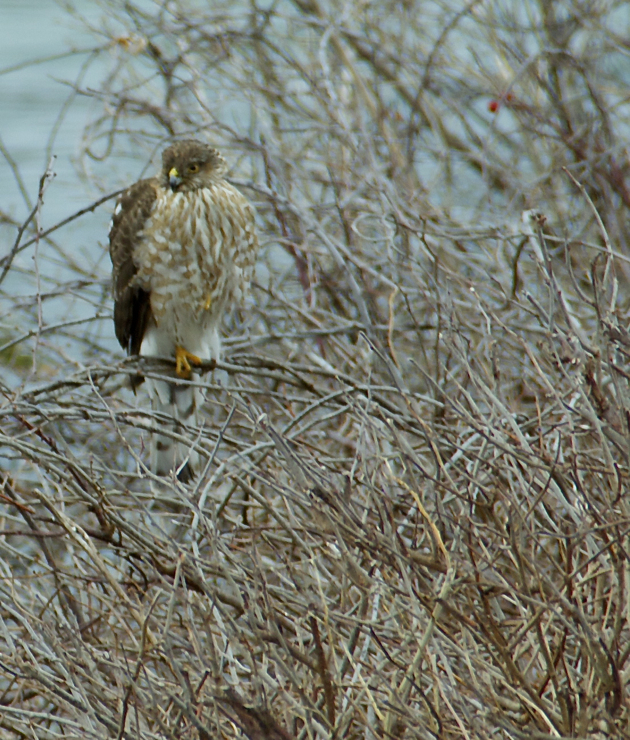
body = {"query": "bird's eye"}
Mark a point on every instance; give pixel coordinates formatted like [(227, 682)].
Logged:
[(193, 168)]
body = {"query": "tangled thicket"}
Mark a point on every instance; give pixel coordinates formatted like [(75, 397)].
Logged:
[(413, 520)]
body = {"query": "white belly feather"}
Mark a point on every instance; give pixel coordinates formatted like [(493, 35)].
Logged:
[(195, 257)]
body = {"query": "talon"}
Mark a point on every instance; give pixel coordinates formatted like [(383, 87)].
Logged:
[(183, 359), (208, 303)]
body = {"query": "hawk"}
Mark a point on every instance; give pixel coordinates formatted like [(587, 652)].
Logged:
[(183, 246)]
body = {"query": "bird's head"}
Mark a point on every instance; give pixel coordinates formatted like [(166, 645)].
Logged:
[(189, 165)]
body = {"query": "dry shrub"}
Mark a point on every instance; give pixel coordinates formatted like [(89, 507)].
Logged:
[(413, 520)]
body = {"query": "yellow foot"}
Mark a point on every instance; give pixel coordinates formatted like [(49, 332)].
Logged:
[(183, 358), (208, 303)]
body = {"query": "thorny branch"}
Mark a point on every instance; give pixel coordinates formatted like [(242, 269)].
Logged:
[(412, 520)]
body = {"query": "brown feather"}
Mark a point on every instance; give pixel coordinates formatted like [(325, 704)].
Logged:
[(132, 306)]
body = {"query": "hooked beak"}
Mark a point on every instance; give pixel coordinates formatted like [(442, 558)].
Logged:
[(174, 179)]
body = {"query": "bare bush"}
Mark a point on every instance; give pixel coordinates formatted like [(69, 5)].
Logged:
[(413, 518)]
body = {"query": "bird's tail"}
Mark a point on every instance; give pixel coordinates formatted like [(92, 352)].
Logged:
[(180, 403)]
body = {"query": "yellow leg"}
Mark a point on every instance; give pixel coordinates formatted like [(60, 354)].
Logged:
[(208, 302), (183, 358)]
